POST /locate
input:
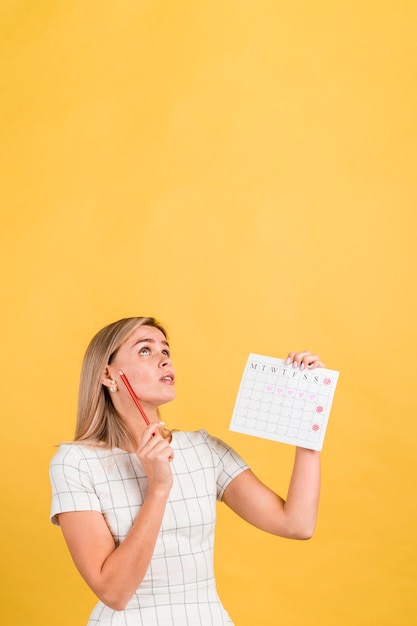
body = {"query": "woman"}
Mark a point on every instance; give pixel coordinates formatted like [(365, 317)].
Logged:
[(137, 503)]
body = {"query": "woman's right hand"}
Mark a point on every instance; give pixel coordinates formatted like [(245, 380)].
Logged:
[(155, 455)]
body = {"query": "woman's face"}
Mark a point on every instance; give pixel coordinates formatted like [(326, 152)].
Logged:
[(145, 360)]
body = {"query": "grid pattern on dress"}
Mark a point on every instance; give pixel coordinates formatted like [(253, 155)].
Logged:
[(179, 586), (276, 401)]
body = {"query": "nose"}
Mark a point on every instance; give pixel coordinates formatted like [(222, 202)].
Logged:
[(166, 360)]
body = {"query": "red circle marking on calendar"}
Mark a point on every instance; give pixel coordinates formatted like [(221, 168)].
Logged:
[(327, 381), (319, 409), (315, 427)]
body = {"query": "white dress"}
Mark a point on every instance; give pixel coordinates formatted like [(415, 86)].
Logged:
[(179, 587)]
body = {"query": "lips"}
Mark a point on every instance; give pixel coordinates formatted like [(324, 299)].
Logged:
[(168, 378)]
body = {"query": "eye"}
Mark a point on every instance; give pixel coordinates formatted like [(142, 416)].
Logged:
[(166, 352), (144, 351)]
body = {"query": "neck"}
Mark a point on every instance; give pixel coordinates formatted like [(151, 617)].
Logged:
[(137, 425)]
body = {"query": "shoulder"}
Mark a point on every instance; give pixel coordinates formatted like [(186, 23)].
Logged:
[(66, 453), (78, 456), (71, 452), (77, 466)]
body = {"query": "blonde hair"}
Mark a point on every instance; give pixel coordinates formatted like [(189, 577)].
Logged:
[(98, 422)]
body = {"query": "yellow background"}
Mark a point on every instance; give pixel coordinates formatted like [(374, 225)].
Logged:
[(246, 172)]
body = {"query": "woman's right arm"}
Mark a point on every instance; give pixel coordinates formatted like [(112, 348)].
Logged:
[(114, 573)]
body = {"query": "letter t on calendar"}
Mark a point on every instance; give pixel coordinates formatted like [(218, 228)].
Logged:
[(276, 401)]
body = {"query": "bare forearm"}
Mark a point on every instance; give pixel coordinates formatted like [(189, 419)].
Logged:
[(124, 569), (302, 501)]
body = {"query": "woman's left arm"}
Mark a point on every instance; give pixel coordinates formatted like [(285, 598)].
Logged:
[(296, 516)]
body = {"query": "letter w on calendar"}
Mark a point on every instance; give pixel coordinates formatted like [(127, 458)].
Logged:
[(276, 401)]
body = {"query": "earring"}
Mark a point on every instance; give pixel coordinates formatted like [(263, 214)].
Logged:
[(113, 388)]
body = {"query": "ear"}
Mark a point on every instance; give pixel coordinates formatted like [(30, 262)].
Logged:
[(107, 378)]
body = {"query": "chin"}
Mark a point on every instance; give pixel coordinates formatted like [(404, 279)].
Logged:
[(168, 398)]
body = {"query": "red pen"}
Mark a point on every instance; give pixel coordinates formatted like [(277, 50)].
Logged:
[(135, 399)]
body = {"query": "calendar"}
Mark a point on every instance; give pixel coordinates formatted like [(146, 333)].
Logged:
[(291, 405)]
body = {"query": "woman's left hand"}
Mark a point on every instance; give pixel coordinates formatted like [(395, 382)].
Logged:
[(304, 360)]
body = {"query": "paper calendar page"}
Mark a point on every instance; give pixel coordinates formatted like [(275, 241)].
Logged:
[(276, 401)]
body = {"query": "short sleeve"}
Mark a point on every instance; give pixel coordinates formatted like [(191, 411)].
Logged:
[(72, 488), (228, 462)]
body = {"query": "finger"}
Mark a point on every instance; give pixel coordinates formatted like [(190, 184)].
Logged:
[(153, 444), (290, 358), (297, 359), (159, 449), (304, 359), (312, 361), (150, 432)]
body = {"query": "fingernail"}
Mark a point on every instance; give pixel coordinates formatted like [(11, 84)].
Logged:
[(302, 366), (295, 364), (288, 361)]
